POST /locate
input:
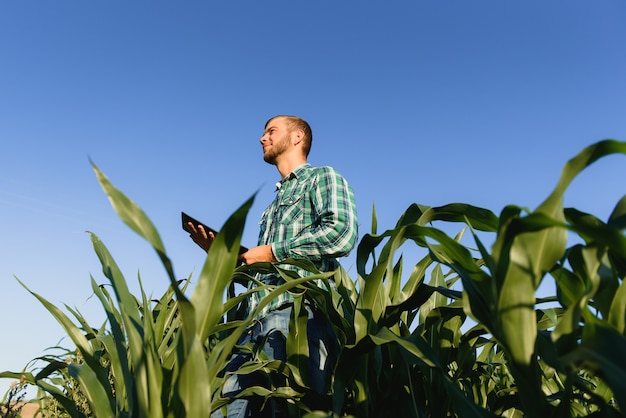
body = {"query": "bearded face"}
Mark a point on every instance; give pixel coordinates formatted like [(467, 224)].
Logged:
[(277, 147)]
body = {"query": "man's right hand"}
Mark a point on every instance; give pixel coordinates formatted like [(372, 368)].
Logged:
[(203, 238)]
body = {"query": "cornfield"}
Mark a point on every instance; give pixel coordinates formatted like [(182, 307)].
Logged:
[(459, 332)]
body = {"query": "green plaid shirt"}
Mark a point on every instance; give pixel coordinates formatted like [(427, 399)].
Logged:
[(313, 216)]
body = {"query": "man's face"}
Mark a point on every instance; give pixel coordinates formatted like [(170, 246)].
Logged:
[(275, 140)]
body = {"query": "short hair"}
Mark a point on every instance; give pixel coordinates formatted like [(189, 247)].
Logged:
[(295, 122)]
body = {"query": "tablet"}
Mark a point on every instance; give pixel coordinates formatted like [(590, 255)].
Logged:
[(186, 219)]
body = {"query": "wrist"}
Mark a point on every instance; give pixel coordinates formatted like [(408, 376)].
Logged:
[(272, 254)]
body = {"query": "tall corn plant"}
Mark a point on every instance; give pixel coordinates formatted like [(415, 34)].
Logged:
[(518, 356), (407, 331), (151, 359), (164, 358)]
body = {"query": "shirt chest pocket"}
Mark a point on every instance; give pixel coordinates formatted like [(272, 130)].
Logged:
[(286, 210), (291, 208)]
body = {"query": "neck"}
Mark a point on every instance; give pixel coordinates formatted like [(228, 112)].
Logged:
[(287, 166)]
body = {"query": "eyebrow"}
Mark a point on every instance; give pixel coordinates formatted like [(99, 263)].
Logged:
[(270, 127)]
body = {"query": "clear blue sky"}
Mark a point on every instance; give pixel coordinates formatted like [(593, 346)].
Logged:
[(428, 102)]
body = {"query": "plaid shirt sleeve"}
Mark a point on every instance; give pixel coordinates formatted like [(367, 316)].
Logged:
[(326, 225)]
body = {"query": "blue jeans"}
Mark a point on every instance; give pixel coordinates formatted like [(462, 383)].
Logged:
[(275, 326)]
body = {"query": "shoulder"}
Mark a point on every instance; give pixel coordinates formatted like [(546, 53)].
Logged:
[(329, 177), (326, 171)]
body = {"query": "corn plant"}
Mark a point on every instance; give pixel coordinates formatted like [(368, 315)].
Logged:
[(408, 355), (460, 333), (150, 358)]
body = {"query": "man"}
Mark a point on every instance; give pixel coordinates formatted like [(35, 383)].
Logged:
[(313, 216)]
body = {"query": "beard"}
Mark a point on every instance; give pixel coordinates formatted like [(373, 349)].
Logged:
[(276, 149)]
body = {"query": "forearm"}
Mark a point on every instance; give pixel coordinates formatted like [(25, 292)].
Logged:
[(329, 240), (262, 253)]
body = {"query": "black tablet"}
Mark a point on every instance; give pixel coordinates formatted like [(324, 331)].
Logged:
[(186, 219)]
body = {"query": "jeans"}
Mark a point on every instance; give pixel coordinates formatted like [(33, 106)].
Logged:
[(275, 326)]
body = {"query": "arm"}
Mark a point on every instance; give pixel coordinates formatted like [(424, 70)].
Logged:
[(334, 230)]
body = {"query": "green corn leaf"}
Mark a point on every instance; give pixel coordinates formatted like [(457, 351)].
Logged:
[(416, 278), (97, 395), (374, 220), (117, 350), (479, 218), (370, 304), (436, 299), (297, 341), (70, 328), (365, 248), (194, 382), (617, 219), (617, 314), (529, 249), (218, 269), (595, 231), (124, 384), (411, 215), (129, 308), (603, 349), (115, 276), (525, 250), (416, 347), (135, 218), (146, 365)]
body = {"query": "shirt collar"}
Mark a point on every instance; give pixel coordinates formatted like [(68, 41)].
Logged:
[(297, 172)]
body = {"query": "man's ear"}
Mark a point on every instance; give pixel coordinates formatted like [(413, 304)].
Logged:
[(297, 136)]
